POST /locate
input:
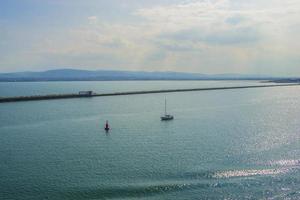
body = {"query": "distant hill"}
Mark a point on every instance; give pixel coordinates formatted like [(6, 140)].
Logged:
[(105, 75)]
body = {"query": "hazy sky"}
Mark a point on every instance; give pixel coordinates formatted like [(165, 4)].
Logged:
[(208, 36)]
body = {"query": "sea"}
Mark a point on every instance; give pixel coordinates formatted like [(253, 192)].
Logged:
[(223, 144)]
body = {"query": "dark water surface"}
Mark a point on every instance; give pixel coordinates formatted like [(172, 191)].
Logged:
[(231, 144)]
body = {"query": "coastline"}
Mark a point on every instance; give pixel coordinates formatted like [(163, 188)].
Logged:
[(68, 96)]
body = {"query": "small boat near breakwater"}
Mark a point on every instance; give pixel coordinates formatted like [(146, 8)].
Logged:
[(166, 117)]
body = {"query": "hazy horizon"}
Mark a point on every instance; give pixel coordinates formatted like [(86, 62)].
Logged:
[(241, 75), (207, 36)]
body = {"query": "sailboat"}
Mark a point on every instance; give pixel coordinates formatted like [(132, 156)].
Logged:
[(166, 116)]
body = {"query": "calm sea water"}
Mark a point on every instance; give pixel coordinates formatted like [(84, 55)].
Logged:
[(231, 144)]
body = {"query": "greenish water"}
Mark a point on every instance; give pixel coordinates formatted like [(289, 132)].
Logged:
[(231, 144)]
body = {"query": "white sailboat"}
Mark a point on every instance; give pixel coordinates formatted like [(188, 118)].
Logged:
[(166, 116)]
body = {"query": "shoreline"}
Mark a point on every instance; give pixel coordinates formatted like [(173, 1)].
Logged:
[(68, 96)]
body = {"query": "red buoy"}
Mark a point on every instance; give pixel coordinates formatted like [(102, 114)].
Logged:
[(106, 126)]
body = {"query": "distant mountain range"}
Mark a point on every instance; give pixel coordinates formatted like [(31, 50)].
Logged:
[(105, 75)]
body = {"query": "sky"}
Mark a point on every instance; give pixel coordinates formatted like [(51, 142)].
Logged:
[(201, 36)]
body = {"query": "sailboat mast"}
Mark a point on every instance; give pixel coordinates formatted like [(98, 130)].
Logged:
[(165, 106), (166, 116)]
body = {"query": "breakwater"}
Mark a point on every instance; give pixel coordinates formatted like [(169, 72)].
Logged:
[(67, 96)]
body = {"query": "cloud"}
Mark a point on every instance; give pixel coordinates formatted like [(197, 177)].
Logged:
[(208, 36), (247, 32), (93, 19), (235, 19), (212, 15), (237, 36)]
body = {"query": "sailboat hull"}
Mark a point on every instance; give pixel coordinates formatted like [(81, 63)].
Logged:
[(166, 117)]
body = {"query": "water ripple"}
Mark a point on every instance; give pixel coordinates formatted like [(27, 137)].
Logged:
[(249, 172)]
